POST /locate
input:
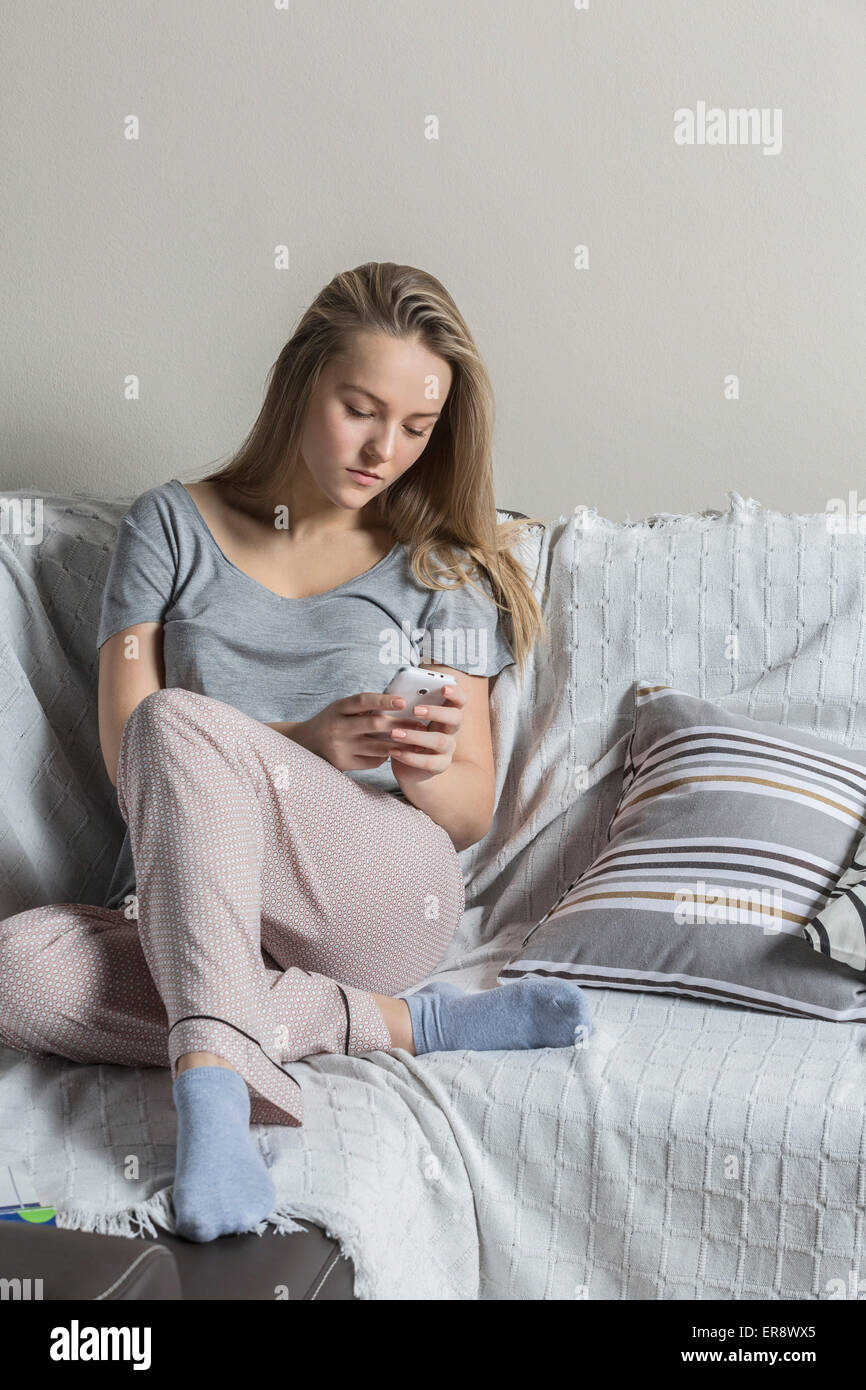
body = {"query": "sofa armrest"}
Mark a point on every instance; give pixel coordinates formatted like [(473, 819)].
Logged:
[(52, 1263)]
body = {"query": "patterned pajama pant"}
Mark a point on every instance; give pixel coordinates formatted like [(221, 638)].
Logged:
[(273, 894)]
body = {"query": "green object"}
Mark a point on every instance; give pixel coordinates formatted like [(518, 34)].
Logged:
[(36, 1216)]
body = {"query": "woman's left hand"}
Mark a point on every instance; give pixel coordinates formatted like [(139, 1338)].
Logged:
[(418, 754)]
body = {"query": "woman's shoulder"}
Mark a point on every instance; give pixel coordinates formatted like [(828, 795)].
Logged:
[(467, 629), (156, 520), (452, 567), (156, 504)]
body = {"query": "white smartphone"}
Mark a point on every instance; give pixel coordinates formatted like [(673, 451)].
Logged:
[(418, 687)]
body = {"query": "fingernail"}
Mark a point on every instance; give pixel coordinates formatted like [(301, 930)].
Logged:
[(420, 709)]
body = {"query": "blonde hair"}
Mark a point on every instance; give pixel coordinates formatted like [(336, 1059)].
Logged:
[(445, 502)]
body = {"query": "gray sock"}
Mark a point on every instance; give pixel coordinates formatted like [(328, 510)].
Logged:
[(221, 1184), (530, 1013)]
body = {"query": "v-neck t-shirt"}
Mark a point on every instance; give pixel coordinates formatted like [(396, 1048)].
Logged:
[(274, 658)]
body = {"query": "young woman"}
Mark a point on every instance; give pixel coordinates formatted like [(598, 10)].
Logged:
[(291, 859)]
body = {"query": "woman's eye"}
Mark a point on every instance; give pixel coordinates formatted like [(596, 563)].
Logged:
[(359, 415)]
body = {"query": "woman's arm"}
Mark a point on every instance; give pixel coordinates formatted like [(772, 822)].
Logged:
[(130, 667), (283, 726), (462, 798)]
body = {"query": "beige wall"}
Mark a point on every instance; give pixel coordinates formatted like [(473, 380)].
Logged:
[(306, 126)]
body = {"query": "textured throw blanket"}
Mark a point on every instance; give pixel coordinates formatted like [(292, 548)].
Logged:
[(692, 1150)]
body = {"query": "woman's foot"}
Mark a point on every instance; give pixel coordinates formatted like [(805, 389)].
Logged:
[(221, 1184), (530, 1013), (398, 1020)]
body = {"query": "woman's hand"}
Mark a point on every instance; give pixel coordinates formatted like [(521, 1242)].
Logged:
[(418, 754), (355, 733), (352, 733)]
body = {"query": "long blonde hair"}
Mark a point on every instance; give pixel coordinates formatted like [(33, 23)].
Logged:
[(445, 502)]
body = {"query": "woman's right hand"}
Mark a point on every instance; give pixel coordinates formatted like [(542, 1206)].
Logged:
[(354, 732)]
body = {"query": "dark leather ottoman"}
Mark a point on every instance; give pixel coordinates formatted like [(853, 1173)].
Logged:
[(79, 1265)]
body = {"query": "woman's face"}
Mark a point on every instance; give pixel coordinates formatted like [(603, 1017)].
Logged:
[(348, 435)]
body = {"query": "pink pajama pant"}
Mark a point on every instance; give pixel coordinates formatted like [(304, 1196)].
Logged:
[(273, 894)]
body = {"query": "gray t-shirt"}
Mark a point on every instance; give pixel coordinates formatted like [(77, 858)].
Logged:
[(274, 658)]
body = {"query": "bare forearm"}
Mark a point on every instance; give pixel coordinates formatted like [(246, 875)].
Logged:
[(460, 799), (284, 726)]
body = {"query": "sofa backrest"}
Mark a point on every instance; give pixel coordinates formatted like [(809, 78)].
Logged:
[(757, 610), (60, 826)]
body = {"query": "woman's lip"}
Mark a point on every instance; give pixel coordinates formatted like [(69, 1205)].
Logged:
[(364, 477)]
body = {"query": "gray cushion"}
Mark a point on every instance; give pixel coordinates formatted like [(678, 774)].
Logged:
[(839, 928), (742, 823)]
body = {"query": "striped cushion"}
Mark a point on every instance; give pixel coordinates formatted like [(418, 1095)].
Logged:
[(839, 929), (728, 838)]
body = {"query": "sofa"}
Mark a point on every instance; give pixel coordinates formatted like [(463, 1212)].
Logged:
[(589, 1172), (88, 1264)]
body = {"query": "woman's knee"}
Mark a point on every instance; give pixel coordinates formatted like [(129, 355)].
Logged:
[(56, 972), (150, 718), (168, 717), (27, 979), (24, 936), (172, 713), (165, 709)]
